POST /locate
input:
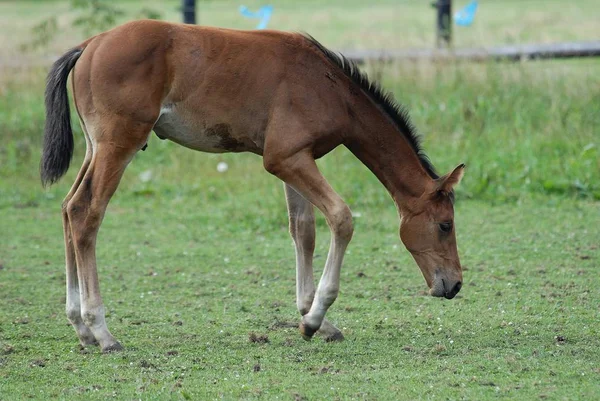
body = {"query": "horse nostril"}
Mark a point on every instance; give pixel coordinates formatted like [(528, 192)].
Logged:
[(451, 294)]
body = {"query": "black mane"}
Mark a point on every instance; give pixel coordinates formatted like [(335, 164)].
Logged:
[(396, 112)]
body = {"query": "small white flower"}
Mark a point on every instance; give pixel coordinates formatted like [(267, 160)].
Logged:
[(146, 176), (222, 167)]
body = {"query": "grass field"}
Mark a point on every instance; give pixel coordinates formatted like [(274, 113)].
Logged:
[(197, 268), (184, 288)]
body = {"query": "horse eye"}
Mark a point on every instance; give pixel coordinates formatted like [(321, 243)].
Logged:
[(446, 227)]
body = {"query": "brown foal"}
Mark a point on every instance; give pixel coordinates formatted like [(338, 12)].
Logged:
[(280, 95)]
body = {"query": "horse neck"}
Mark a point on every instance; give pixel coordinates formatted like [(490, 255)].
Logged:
[(379, 145)]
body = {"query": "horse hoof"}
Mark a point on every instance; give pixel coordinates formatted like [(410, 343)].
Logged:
[(306, 331), (115, 347), (335, 337)]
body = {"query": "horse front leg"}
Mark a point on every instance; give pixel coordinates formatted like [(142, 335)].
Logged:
[(302, 229), (300, 172)]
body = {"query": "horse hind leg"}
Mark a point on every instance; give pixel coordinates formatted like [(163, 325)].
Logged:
[(73, 300), (85, 211), (302, 229)]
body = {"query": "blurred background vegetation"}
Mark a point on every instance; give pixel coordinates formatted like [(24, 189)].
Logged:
[(524, 128)]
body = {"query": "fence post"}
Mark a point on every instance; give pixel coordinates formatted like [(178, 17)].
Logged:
[(189, 11), (444, 23)]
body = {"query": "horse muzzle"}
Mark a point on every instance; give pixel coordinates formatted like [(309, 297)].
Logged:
[(445, 288)]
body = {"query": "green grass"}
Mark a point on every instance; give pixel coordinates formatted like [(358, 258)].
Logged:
[(187, 278), (192, 261)]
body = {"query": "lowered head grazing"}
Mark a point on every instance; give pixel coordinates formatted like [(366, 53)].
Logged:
[(298, 102), (427, 231)]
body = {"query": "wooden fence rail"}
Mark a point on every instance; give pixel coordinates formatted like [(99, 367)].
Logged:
[(510, 53)]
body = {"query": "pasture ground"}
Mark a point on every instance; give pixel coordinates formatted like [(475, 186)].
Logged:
[(196, 266), (186, 284)]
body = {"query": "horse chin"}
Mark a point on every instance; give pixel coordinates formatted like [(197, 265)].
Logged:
[(437, 289)]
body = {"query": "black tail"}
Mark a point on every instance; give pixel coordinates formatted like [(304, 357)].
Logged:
[(58, 135)]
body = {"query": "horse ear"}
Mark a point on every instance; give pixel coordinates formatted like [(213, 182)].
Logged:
[(447, 182)]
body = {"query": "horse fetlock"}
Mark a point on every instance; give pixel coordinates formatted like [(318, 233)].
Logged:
[(74, 314), (93, 317), (86, 338), (85, 335), (312, 321), (307, 330), (304, 306), (89, 318), (304, 302)]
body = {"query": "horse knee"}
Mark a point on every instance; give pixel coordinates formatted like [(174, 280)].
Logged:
[(341, 223)]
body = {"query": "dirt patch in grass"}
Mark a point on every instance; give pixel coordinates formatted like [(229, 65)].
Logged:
[(258, 338)]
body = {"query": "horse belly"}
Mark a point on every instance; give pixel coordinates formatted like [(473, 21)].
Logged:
[(201, 135)]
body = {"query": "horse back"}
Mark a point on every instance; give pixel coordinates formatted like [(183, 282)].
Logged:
[(210, 89)]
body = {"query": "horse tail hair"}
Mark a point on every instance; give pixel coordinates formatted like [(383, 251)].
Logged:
[(58, 134)]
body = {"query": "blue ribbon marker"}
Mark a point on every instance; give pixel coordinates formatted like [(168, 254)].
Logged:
[(264, 13), (465, 16)]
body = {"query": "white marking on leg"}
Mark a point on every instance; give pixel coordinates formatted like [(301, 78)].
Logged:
[(302, 229), (341, 233), (73, 297)]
